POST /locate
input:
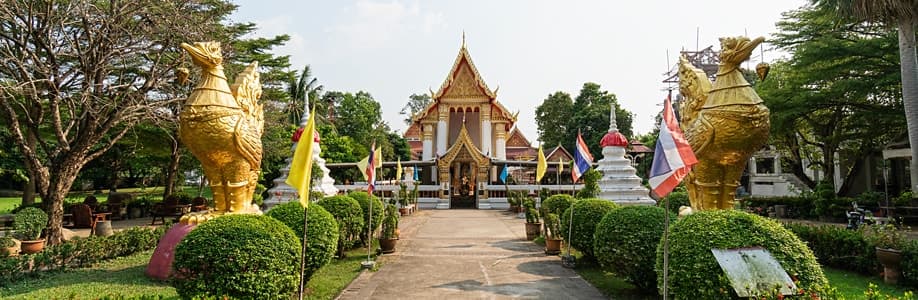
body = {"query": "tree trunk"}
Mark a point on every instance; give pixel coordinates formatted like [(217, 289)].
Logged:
[(28, 192), (909, 69), (60, 180), (172, 172)]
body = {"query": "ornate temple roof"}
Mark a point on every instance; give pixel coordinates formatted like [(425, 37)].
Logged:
[(559, 152)]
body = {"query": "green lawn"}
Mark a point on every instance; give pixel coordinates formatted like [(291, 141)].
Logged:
[(124, 277)]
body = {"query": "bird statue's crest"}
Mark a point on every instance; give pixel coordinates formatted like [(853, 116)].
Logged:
[(694, 87), (247, 90)]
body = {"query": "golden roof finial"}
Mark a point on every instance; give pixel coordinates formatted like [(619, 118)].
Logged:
[(463, 38)]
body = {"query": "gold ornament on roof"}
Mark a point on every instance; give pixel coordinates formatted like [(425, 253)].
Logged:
[(725, 123), (222, 127)]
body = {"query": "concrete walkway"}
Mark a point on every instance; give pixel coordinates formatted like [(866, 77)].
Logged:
[(468, 254)]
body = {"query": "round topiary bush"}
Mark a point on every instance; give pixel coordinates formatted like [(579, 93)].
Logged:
[(349, 217), (625, 242), (378, 208), (556, 204), (587, 213), (322, 239), (238, 256), (694, 272)]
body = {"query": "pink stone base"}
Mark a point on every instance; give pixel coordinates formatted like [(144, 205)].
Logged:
[(160, 266)]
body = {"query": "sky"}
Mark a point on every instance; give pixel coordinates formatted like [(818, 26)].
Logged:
[(530, 49)]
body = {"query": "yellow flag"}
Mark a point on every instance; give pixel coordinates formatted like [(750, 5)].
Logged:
[(378, 158), (362, 165), (560, 165), (300, 177), (398, 170), (542, 166)]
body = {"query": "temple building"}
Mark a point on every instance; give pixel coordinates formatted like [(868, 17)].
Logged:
[(467, 134)]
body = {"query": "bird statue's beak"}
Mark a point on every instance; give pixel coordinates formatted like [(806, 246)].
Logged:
[(195, 52)]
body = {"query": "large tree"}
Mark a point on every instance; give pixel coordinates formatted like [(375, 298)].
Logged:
[(903, 15), (76, 75), (559, 119), (837, 93), (304, 89), (416, 103)]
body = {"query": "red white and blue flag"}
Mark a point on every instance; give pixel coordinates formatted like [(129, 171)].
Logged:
[(371, 170), (582, 158), (673, 157)]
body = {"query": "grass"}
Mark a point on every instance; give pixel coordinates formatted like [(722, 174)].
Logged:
[(852, 285), (7, 204), (124, 277)]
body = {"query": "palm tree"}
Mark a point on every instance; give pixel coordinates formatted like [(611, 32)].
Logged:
[(904, 15), (302, 89)]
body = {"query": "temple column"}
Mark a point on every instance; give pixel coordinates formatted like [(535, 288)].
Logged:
[(427, 143), (501, 142), (486, 129), (441, 129)]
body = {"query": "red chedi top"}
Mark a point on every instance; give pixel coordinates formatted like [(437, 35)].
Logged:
[(614, 138)]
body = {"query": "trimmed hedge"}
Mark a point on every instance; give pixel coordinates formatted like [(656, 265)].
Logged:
[(676, 199), (625, 243), (349, 217), (695, 274), (838, 247), (556, 204), (238, 256), (587, 213), (322, 240), (378, 209), (79, 252)]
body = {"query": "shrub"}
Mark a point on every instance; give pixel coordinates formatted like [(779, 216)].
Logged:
[(838, 247), (676, 199), (801, 206), (587, 213), (556, 204), (695, 274), (625, 242), (390, 223), (322, 239), (590, 184), (364, 200), (29, 223), (349, 217), (238, 256), (910, 264), (553, 223)]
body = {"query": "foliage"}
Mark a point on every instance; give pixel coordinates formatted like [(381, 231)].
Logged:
[(556, 204), (801, 205), (322, 237), (238, 256), (838, 247), (378, 210), (586, 214), (904, 199), (885, 236), (553, 223), (838, 92), (7, 241), (390, 223), (873, 294), (349, 217), (590, 184), (532, 214), (416, 103), (676, 199), (79, 252), (695, 274), (29, 223), (559, 118), (625, 241)]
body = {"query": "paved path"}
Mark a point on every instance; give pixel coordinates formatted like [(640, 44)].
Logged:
[(468, 254)]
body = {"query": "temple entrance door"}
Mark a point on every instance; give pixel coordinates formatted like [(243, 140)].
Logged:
[(463, 193)]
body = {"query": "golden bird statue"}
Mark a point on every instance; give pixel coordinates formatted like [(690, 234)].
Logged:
[(222, 126), (725, 123)]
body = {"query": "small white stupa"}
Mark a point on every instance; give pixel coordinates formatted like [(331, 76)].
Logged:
[(282, 192), (619, 182)]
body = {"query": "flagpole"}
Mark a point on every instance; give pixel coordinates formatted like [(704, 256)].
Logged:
[(302, 287)]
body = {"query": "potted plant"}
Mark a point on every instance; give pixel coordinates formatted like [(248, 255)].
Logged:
[(389, 237), (28, 224), (414, 197), (553, 234), (402, 198), (888, 240), (8, 246), (533, 225)]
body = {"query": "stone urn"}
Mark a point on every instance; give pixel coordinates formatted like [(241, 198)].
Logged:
[(533, 230), (891, 259)]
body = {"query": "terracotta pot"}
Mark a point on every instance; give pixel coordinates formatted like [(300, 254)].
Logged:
[(29, 247), (552, 246), (11, 250), (403, 211), (533, 230), (891, 259), (387, 245)]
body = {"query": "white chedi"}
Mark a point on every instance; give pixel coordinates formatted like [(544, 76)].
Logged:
[(283, 192), (619, 182)]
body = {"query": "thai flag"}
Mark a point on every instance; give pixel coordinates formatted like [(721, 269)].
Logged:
[(371, 170), (673, 157), (582, 158)]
